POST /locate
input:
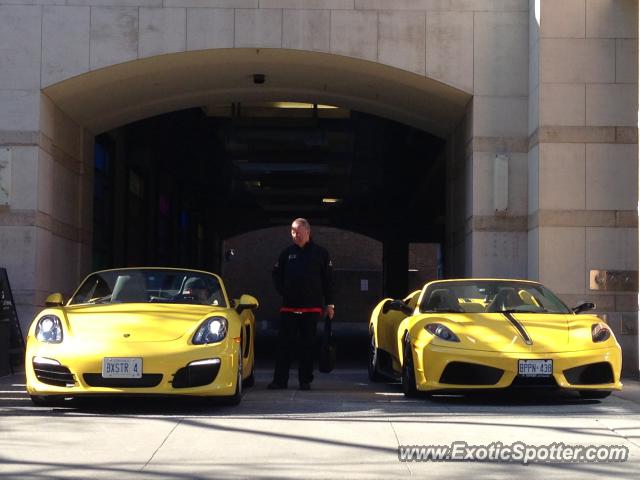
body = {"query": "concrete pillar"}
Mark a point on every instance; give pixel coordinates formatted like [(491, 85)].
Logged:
[(46, 211), (638, 206), (583, 156), (46, 219), (20, 152), (496, 163), (458, 202)]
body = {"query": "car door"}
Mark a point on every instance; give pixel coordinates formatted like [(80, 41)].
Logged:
[(388, 325)]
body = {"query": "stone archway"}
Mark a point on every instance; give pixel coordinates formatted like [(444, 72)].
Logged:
[(205, 79), (116, 95)]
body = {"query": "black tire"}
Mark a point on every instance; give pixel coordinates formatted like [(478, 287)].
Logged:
[(46, 400), (594, 394), (237, 396), (372, 361), (250, 381), (408, 372)]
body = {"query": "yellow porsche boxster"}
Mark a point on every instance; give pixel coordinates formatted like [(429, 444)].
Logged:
[(475, 334), (140, 331)]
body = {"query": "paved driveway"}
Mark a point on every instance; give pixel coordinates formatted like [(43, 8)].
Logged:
[(344, 428)]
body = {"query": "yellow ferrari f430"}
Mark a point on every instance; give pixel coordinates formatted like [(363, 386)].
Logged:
[(477, 334), (139, 331)]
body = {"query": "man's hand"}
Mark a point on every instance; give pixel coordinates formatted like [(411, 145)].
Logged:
[(331, 310)]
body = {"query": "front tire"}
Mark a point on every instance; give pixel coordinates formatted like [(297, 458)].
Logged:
[(372, 363), (408, 372), (46, 400), (250, 381), (594, 394)]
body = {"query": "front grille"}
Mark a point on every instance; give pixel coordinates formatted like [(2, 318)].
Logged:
[(54, 374), (591, 374), (534, 382), (148, 380), (462, 373), (195, 375)]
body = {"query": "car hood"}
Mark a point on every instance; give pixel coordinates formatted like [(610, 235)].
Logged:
[(517, 332), (135, 322)]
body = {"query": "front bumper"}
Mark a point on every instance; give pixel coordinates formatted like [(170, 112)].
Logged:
[(165, 369), (501, 370)]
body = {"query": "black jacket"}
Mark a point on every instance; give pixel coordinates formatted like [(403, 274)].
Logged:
[(303, 276)]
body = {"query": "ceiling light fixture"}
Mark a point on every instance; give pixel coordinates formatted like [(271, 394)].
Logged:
[(308, 106)]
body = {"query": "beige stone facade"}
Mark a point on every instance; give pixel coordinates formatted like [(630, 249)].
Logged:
[(544, 91)]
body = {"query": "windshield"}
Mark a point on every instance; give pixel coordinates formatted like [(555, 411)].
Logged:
[(150, 286), (490, 296)]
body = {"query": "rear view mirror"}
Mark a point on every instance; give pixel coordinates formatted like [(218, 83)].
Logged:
[(583, 307), (54, 300), (397, 305), (246, 302)]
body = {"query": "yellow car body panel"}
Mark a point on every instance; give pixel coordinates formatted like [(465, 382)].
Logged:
[(430, 362), (160, 334), (491, 339), (386, 325)]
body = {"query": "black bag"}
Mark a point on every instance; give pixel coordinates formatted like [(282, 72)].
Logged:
[(327, 360)]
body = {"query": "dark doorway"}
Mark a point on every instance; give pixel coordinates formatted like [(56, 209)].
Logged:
[(170, 189)]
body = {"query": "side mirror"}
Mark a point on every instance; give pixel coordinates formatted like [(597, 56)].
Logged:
[(54, 300), (583, 307), (397, 305), (246, 302)]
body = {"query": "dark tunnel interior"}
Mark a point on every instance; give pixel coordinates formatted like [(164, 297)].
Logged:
[(170, 189)]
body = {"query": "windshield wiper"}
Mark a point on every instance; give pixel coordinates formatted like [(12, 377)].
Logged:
[(105, 299)]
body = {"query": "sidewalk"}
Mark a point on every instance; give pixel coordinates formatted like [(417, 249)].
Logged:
[(345, 427)]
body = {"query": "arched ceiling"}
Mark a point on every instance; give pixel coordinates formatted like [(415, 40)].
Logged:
[(113, 96)]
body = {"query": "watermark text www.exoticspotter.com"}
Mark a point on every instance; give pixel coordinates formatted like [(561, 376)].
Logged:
[(517, 452)]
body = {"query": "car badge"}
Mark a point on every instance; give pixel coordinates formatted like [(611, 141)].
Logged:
[(126, 335)]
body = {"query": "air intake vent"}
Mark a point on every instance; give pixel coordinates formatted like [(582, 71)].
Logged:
[(54, 374), (461, 373), (591, 374), (196, 375), (148, 380)]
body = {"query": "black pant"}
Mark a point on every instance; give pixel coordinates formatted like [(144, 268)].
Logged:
[(296, 330)]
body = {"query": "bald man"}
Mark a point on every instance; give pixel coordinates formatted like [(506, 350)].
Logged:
[(303, 276)]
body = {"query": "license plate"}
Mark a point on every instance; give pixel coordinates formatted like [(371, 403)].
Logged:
[(121, 367), (535, 368)]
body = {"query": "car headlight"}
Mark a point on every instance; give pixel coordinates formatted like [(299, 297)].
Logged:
[(212, 330), (600, 332), (49, 329), (442, 332)]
